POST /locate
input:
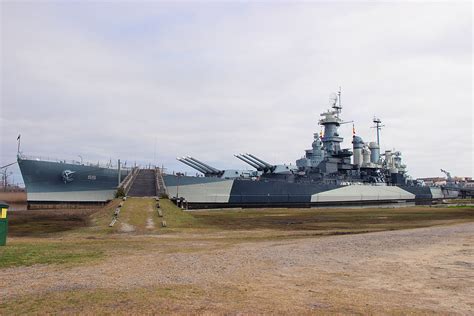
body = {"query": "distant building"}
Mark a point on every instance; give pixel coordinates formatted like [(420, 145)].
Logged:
[(469, 183), (439, 181), (433, 181)]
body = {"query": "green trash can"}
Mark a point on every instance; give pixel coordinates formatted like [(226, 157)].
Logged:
[(3, 223)]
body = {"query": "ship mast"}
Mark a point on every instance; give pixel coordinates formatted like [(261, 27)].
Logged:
[(378, 126), (337, 105)]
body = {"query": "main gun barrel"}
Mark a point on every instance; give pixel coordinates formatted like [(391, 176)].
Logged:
[(194, 166), (206, 166), (241, 157), (266, 164), (256, 162)]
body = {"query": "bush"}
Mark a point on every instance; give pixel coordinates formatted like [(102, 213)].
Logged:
[(120, 193)]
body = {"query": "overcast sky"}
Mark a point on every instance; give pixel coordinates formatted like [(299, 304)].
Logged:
[(211, 79)]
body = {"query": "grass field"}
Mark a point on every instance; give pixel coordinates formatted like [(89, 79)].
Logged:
[(67, 240), (77, 236), (334, 220)]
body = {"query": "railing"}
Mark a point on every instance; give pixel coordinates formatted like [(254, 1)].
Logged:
[(160, 183), (126, 184), (109, 165)]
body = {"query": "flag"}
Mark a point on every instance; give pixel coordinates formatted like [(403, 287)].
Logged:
[(19, 136), (353, 130)]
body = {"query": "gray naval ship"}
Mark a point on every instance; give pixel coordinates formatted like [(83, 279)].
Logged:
[(326, 175), (50, 181)]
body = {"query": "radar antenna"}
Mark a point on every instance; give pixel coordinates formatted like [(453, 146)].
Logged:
[(448, 174), (333, 100), (336, 98), (378, 126), (339, 98)]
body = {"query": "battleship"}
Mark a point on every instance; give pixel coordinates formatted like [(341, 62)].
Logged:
[(52, 181), (326, 175)]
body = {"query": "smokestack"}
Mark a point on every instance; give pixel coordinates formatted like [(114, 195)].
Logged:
[(357, 144)]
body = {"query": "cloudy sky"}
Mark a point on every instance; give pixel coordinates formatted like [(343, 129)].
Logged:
[(150, 81)]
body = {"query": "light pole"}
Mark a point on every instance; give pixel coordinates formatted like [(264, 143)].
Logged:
[(178, 174)]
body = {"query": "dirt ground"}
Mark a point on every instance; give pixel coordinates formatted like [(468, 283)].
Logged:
[(421, 271)]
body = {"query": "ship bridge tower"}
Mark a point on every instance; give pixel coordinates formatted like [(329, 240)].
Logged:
[(331, 122)]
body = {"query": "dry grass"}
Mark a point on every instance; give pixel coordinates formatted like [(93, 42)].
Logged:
[(334, 220), (46, 222), (79, 243), (178, 299), (101, 219), (136, 212), (13, 197)]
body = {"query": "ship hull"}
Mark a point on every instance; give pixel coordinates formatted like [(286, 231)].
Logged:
[(45, 182), (203, 192)]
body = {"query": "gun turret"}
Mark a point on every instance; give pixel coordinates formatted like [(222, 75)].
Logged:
[(214, 170), (241, 157), (256, 162), (200, 166), (266, 164), (191, 164)]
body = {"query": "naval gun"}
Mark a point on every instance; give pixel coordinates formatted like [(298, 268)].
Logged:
[(200, 166), (256, 162), (210, 171), (265, 167)]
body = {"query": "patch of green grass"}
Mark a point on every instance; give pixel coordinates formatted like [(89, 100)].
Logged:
[(461, 201), (30, 253), (177, 218), (72, 249)]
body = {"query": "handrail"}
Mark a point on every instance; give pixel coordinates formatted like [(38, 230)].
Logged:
[(126, 184), (160, 183), (74, 162)]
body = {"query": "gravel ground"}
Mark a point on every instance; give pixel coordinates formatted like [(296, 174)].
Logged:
[(425, 270)]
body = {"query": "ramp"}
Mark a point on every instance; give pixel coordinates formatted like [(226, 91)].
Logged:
[(144, 183)]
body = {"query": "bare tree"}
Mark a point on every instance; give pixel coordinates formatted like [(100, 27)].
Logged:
[(5, 175)]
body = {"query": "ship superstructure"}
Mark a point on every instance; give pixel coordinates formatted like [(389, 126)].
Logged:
[(326, 174)]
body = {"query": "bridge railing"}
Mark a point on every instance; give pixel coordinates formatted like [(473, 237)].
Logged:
[(109, 165), (160, 183), (126, 184)]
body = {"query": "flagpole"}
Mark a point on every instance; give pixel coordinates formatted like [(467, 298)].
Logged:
[(19, 141)]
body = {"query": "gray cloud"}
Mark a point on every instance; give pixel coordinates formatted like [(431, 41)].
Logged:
[(111, 80)]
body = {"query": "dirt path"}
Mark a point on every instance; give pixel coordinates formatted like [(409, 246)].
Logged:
[(126, 228), (420, 270), (150, 224)]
